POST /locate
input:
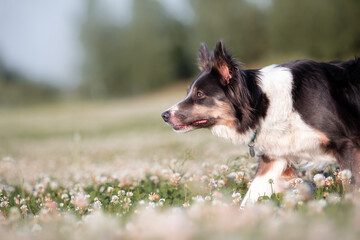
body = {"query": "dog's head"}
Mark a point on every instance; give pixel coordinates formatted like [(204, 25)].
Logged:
[(218, 95)]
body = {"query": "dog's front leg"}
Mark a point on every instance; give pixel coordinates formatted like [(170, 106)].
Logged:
[(271, 177)]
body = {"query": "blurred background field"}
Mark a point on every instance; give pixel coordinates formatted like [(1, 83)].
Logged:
[(82, 87), (57, 137), (95, 75)]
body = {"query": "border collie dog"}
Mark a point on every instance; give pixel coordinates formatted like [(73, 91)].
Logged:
[(301, 113)]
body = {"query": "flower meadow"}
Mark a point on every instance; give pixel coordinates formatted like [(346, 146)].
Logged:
[(113, 170), (176, 200)]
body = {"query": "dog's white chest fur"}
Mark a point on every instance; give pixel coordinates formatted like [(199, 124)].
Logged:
[(282, 133)]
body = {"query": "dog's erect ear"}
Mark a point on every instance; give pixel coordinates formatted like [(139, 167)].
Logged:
[(204, 57), (223, 63)]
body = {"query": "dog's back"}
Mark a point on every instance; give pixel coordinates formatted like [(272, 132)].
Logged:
[(327, 94)]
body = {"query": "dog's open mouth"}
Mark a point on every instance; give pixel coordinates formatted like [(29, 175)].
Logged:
[(198, 123)]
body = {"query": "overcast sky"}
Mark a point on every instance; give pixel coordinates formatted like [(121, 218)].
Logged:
[(39, 38)]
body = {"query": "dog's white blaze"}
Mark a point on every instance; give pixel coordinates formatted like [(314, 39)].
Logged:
[(260, 186), (283, 134)]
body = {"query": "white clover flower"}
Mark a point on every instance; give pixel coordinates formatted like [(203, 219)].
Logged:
[(345, 175), (65, 197), (319, 180), (154, 196), (231, 175), (50, 204), (53, 185), (110, 189), (236, 194), (129, 194), (220, 183), (121, 193), (79, 201), (224, 168), (40, 187), (97, 204), (213, 183), (215, 173), (329, 181), (24, 209), (114, 199), (4, 202), (296, 181), (175, 178), (154, 179), (240, 176), (237, 197), (207, 198), (186, 204)]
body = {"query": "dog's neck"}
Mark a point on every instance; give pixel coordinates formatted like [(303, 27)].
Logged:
[(249, 119)]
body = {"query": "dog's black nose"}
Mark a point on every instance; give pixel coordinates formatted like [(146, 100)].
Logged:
[(166, 116)]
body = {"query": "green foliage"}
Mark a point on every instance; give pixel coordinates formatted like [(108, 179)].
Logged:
[(154, 49), (143, 55), (320, 29)]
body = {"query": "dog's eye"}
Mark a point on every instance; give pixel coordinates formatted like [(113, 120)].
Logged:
[(200, 94)]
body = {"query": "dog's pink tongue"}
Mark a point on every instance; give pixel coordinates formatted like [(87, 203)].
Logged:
[(201, 121)]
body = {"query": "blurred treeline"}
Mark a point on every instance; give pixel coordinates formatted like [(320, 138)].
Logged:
[(154, 49), (16, 89)]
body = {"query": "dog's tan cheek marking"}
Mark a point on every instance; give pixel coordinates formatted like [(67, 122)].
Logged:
[(220, 110), (223, 112)]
